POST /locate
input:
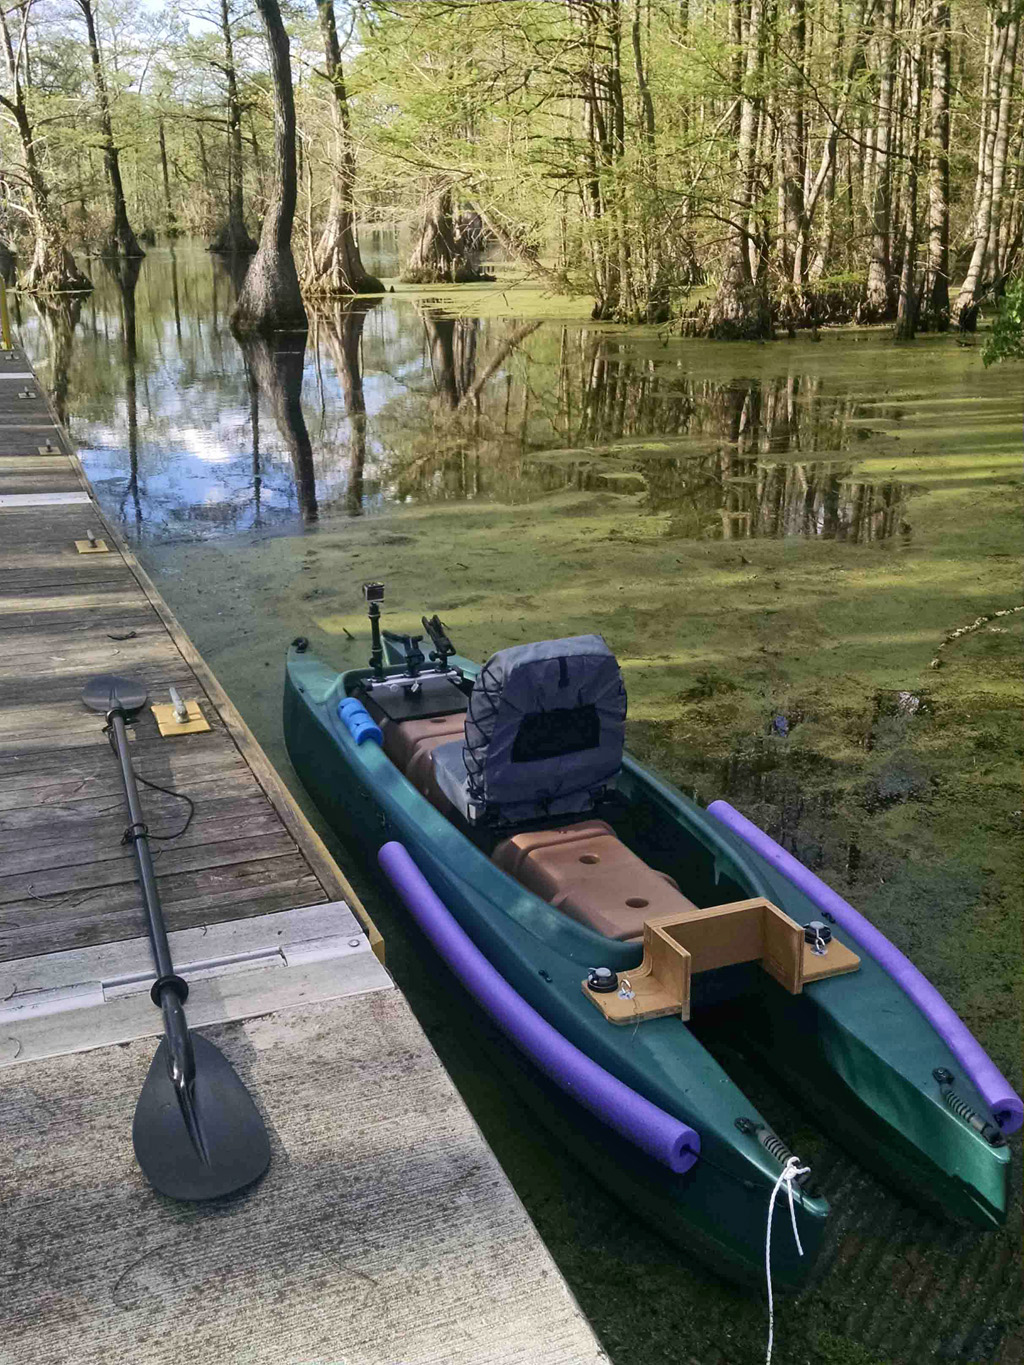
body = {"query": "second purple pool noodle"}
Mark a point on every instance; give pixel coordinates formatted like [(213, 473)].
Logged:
[(635, 1118), (1007, 1106)]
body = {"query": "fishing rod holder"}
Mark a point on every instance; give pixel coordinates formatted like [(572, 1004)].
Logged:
[(425, 689), (443, 647)]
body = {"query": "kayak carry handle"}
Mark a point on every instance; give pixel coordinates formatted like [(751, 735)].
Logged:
[(665, 1138), (1006, 1105)]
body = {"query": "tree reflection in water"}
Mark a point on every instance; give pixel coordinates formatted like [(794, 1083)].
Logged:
[(276, 363), (417, 405), (757, 457), (125, 271), (60, 314), (341, 325)]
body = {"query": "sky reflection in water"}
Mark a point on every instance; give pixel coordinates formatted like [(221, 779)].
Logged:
[(187, 434)]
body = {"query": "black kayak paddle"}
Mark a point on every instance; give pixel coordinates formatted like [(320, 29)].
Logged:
[(197, 1133)]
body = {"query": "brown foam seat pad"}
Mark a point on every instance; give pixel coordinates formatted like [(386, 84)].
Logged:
[(403, 739), (586, 871)]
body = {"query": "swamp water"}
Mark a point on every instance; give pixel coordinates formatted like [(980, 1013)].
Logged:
[(775, 540)]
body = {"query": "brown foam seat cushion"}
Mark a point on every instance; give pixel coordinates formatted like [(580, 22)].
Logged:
[(410, 743), (586, 871), (403, 739)]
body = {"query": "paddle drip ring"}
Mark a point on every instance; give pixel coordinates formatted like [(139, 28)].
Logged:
[(170, 981)]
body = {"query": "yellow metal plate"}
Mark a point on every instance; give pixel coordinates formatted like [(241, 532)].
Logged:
[(100, 548), (169, 725)]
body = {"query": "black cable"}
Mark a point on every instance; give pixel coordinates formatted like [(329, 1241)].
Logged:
[(178, 796), (131, 832)]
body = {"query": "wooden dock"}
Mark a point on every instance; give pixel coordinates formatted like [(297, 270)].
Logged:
[(65, 878), (385, 1229)]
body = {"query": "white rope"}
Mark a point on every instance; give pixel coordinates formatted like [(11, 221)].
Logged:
[(787, 1175)]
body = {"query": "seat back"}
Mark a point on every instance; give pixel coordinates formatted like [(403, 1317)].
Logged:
[(545, 728)]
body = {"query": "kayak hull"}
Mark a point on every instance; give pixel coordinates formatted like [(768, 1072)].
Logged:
[(718, 1209)]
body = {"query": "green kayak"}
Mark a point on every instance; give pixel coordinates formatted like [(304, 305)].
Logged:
[(707, 928)]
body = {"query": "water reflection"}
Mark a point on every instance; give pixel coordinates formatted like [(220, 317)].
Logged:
[(339, 327), (277, 367), (125, 273), (391, 400), (59, 314)]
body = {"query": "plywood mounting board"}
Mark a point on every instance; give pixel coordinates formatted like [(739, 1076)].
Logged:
[(169, 725), (836, 962), (678, 946)]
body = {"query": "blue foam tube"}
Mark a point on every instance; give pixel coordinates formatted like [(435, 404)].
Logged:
[(358, 721)]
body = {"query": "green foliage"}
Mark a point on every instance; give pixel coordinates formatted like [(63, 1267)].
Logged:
[(598, 140), (1006, 340)]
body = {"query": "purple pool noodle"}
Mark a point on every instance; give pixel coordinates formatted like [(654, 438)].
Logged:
[(655, 1132), (989, 1082)]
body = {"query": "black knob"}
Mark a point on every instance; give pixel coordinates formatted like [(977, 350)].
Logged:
[(602, 980), (816, 932)]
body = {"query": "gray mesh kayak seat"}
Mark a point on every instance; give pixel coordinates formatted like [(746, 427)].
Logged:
[(544, 733)]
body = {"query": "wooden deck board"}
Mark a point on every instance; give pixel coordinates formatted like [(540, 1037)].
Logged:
[(66, 880)]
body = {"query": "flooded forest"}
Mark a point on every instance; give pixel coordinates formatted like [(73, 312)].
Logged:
[(697, 325)]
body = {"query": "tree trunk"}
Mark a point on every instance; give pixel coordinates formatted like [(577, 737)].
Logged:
[(907, 307), (793, 150), (53, 269), (741, 310), (442, 254), (122, 241), (170, 226), (878, 293), (823, 187), (991, 159), (234, 236), (936, 290), (270, 299), (336, 266), (999, 150)]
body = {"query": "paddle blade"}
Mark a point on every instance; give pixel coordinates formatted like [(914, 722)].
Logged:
[(217, 1148)]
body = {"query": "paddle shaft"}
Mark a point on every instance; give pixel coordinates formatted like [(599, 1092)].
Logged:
[(169, 996), (143, 857)]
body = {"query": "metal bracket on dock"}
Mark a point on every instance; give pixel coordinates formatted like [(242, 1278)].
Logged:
[(92, 545), (27, 393), (49, 449), (179, 717)]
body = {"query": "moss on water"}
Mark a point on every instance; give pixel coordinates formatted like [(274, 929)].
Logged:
[(514, 295), (909, 807)]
